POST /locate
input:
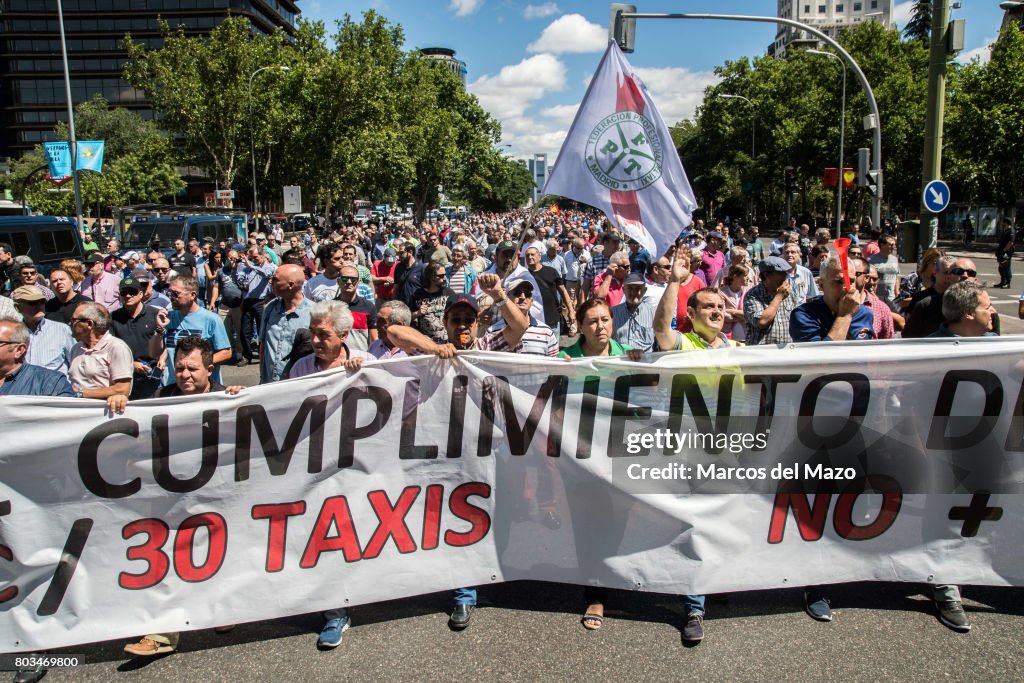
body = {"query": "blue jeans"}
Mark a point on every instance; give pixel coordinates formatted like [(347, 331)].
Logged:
[(693, 603), (340, 613), (464, 596)]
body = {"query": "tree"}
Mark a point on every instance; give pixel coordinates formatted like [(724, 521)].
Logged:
[(138, 163), (983, 126), (201, 87), (495, 183), (919, 28)]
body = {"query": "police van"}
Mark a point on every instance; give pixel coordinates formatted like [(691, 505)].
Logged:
[(47, 240), (160, 232)]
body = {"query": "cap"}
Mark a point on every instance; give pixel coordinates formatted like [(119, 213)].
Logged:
[(635, 279), (611, 235), (130, 283), (461, 300), (390, 254), (96, 257), (516, 283), (130, 255), (716, 235), (774, 264), (28, 293), (141, 275), (505, 246)]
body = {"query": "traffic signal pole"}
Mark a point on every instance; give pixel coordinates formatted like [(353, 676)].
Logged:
[(935, 113), (622, 29)]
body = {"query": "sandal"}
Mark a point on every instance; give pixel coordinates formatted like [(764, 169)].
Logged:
[(147, 648), (591, 621)]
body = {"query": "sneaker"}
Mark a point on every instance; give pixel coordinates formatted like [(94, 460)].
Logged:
[(817, 606), (330, 635), (693, 632), (952, 615)]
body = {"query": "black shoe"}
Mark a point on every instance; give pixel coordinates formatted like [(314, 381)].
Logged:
[(29, 675), (551, 520), (461, 615)]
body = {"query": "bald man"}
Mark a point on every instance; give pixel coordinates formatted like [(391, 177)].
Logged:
[(283, 317)]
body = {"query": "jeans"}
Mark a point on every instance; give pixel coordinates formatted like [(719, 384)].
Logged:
[(694, 603), (252, 313), (1005, 275), (232, 318), (946, 593), (464, 596), (339, 613)]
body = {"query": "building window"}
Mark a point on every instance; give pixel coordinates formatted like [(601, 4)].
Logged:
[(874, 4), (856, 7), (821, 9), (807, 9), (839, 8)]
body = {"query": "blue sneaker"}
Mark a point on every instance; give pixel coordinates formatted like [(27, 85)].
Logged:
[(330, 635), (817, 606)]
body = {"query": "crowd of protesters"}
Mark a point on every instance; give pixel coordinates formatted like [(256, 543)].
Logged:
[(127, 325)]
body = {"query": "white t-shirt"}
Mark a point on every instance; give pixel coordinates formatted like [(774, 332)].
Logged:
[(109, 359), (320, 288)]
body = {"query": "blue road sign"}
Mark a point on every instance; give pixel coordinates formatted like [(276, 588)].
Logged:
[(936, 196)]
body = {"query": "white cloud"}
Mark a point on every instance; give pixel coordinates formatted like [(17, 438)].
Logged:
[(562, 113), (677, 92), (463, 8), (902, 12), (983, 53), (540, 11), (571, 33), (518, 86)]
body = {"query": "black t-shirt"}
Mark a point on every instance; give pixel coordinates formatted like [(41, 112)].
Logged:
[(172, 390), (63, 312), (549, 280), (185, 263), (135, 332), (432, 324)]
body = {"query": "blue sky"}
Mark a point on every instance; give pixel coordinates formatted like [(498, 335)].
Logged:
[(529, 62)]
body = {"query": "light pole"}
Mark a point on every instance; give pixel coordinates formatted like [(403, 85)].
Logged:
[(842, 140), (620, 29), (753, 147), (252, 143), (73, 143)]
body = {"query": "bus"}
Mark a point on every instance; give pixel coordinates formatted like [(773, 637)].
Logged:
[(361, 210)]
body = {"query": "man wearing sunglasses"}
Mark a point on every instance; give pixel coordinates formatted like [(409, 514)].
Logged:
[(135, 324), (99, 285), (608, 285), (926, 314), (364, 313), (187, 319)]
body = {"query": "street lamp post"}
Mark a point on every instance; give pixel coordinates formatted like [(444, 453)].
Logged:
[(872, 122), (252, 143), (73, 142), (842, 140), (753, 148)]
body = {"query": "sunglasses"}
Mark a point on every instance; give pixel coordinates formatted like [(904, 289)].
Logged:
[(28, 272), (130, 292), (174, 294), (5, 343), (348, 280), (459, 320), (161, 270), (970, 272), (521, 294)]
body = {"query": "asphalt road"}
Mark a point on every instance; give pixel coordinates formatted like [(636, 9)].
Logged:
[(530, 631)]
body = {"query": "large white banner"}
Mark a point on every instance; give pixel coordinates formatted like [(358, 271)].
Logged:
[(695, 473)]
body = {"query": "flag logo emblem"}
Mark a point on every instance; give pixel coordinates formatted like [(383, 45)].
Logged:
[(624, 152)]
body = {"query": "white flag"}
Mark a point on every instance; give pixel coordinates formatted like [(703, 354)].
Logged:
[(620, 158)]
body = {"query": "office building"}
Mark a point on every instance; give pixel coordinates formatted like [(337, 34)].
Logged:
[(828, 16), (31, 73), (447, 56), (538, 166)]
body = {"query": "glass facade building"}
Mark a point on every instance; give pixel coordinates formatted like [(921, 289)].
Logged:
[(31, 71)]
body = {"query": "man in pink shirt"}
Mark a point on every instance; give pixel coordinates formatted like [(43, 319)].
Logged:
[(99, 285), (713, 259)]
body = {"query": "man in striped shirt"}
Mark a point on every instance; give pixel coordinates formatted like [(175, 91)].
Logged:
[(538, 339), (633, 319)]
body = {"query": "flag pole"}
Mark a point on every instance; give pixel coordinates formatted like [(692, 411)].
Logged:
[(71, 119)]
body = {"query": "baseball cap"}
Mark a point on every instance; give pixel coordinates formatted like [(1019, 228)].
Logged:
[(130, 255), (635, 279), (131, 283), (774, 264), (28, 293), (461, 300), (95, 257), (141, 275), (716, 235), (514, 284), (390, 254), (505, 246)]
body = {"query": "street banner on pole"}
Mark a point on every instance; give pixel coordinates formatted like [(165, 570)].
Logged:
[(90, 155), (58, 158), (620, 158), (738, 469)]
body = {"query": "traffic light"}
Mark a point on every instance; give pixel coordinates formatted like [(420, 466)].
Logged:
[(623, 30), (791, 180)]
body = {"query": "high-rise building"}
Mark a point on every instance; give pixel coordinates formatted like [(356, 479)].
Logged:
[(31, 73), (447, 56), (538, 166), (828, 16)]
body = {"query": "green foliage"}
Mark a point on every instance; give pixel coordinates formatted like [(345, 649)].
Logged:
[(138, 164), (919, 28), (983, 123)]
